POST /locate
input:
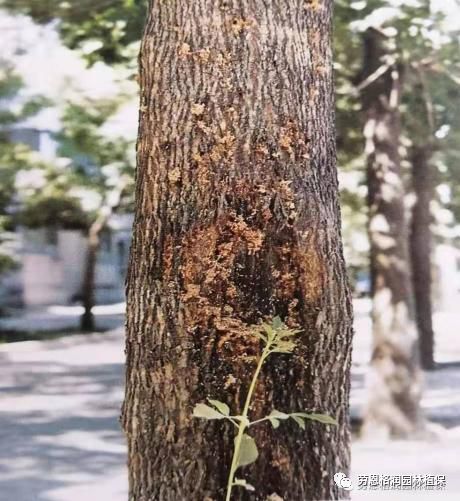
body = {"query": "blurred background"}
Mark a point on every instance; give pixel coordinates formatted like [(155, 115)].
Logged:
[(68, 123)]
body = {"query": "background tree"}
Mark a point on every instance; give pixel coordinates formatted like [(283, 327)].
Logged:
[(102, 166), (412, 38), (236, 220), (393, 406), (13, 156), (420, 128), (429, 94), (90, 180), (103, 30), (369, 76), (421, 249), (9, 154)]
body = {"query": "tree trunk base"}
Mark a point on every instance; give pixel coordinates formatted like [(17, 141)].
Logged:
[(429, 365), (87, 323)]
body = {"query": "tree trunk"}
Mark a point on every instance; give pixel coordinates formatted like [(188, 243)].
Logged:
[(87, 323), (420, 247), (394, 380), (237, 220)]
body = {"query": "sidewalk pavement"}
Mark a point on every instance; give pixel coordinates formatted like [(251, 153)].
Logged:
[(61, 440), (62, 318)]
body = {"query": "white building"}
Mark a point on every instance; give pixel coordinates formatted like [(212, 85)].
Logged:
[(52, 266), (52, 261)]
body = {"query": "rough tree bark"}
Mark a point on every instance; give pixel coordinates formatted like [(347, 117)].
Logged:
[(394, 379), (420, 248), (236, 220)]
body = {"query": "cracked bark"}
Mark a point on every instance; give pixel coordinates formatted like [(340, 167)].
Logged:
[(237, 220)]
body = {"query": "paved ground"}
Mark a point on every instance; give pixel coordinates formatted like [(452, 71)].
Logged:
[(59, 433), (60, 439), (441, 403), (60, 317)]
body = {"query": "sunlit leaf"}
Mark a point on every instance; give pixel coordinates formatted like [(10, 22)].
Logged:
[(275, 416), (288, 333), (220, 406), (260, 336), (248, 451), (268, 329), (206, 412), (299, 421), (274, 422), (284, 347)]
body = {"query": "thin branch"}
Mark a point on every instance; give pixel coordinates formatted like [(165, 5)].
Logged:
[(374, 76)]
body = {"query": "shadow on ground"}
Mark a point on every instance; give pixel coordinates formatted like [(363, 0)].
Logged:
[(61, 441), (59, 428), (441, 406)]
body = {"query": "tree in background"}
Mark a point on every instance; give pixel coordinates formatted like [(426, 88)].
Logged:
[(9, 156), (102, 30), (13, 156), (413, 44), (90, 180), (432, 117), (420, 129), (236, 220), (423, 182), (393, 406), (104, 166), (447, 154), (370, 76), (93, 176), (351, 160)]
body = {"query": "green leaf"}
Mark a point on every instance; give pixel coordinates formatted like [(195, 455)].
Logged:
[(260, 336), (248, 451), (278, 414), (242, 483), (299, 421), (321, 418), (288, 333), (274, 422), (220, 406), (268, 329), (206, 412), (275, 417), (277, 323), (284, 347)]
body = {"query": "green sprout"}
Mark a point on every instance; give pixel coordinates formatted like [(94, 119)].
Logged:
[(276, 338)]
